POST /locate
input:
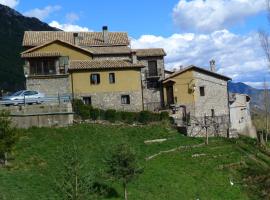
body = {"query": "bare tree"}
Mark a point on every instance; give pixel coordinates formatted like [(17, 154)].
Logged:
[(266, 109), (265, 44)]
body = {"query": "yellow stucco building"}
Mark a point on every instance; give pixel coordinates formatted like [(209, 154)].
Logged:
[(98, 67)]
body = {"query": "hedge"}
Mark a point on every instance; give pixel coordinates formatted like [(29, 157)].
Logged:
[(144, 117)]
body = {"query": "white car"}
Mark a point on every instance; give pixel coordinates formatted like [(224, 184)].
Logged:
[(24, 96)]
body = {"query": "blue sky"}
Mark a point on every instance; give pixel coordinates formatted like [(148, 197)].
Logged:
[(191, 31)]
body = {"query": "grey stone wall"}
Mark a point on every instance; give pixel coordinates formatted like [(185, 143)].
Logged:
[(41, 115), (112, 100), (152, 98), (50, 85), (216, 95)]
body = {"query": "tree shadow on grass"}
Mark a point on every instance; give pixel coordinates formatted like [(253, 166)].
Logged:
[(104, 190)]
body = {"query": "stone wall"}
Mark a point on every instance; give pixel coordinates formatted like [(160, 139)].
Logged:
[(49, 85), (240, 115), (152, 97), (112, 100), (216, 95), (40, 115)]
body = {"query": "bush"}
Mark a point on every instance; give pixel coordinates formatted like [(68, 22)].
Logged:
[(110, 115), (128, 117), (95, 114), (81, 109), (164, 116), (144, 117), (8, 136)]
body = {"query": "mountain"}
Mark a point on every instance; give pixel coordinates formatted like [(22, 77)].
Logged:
[(256, 95), (12, 27)]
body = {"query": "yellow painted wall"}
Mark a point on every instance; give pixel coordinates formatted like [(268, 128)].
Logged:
[(66, 50), (125, 80), (180, 88)]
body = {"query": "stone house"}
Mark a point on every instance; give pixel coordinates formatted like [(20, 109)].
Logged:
[(200, 100), (98, 67), (240, 115)]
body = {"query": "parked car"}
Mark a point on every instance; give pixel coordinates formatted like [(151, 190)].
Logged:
[(23, 96)]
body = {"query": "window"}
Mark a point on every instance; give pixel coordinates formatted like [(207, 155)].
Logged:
[(42, 67), (95, 79), (87, 100), (202, 92), (212, 113), (125, 99), (63, 63), (152, 84), (111, 78), (152, 67)]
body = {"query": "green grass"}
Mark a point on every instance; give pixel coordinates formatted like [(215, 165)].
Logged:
[(171, 176)]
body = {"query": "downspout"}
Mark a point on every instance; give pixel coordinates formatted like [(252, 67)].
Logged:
[(142, 90), (228, 101), (72, 87)]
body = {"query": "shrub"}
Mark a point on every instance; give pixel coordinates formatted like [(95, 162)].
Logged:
[(128, 117), (110, 115), (8, 136), (94, 113), (164, 115), (81, 109), (144, 117)]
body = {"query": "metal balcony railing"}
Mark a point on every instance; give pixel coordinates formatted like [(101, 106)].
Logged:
[(153, 74)]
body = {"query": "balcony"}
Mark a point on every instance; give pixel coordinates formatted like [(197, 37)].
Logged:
[(153, 74)]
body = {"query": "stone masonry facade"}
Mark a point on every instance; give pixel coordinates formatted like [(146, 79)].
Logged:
[(51, 86), (112, 100), (152, 97), (210, 111)]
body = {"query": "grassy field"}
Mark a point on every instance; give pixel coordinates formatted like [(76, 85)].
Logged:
[(194, 173)]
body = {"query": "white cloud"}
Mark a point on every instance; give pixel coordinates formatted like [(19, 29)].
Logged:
[(10, 3), (68, 27), (42, 13), (211, 15), (72, 17), (237, 56)]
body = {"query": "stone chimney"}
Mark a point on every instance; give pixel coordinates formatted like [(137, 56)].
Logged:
[(76, 39), (212, 65), (133, 57), (105, 34)]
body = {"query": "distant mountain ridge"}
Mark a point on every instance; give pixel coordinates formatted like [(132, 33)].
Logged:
[(257, 95), (12, 27)]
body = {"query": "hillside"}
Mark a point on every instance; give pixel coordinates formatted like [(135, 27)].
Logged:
[(257, 95), (222, 170), (12, 27)]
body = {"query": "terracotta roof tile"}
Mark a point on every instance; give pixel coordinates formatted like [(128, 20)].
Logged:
[(110, 50), (35, 38), (102, 64), (41, 54), (150, 52)]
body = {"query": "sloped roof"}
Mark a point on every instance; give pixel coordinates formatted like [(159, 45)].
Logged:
[(45, 44), (41, 54), (150, 52), (35, 38), (102, 64), (110, 50), (193, 67)]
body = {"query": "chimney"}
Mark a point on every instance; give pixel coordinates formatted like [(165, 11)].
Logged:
[(133, 57), (76, 39), (212, 65), (181, 67), (105, 34)]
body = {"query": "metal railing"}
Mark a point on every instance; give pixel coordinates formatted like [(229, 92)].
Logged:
[(153, 74), (48, 99)]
